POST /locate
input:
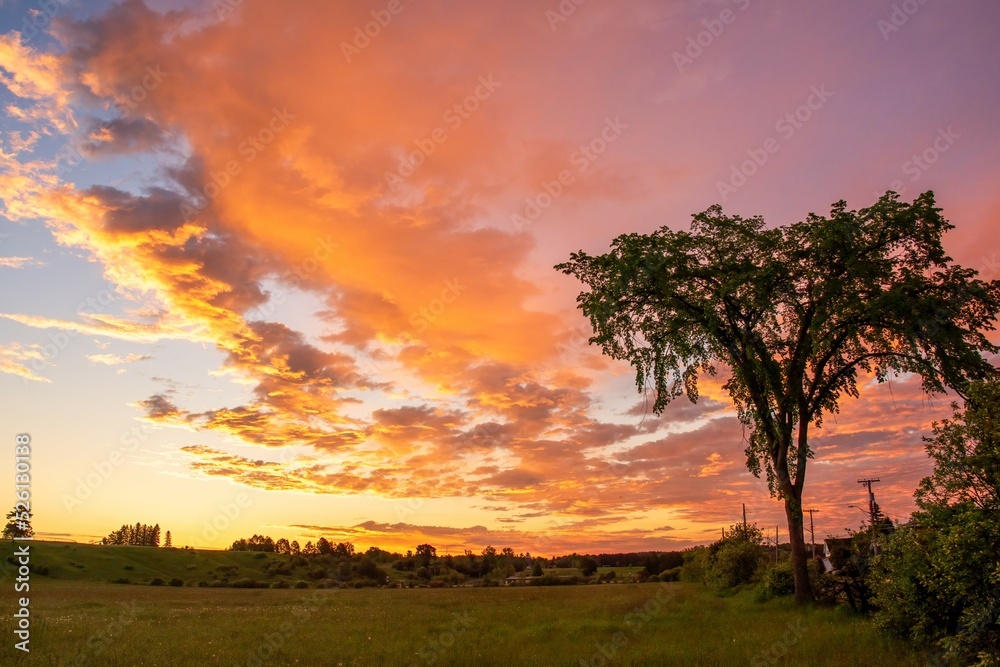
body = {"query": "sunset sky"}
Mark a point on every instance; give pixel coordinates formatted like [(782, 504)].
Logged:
[(286, 268)]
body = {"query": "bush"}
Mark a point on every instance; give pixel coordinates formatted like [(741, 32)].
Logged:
[(369, 569), (129, 567), (202, 584), (777, 580), (176, 582), (121, 580), (695, 568), (156, 581), (279, 584), (301, 584), (735, 563), (245, 582), (673, 574)]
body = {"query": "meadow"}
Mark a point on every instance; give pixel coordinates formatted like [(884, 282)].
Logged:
[(79, 620)]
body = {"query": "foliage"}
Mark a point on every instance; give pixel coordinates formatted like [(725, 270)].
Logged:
[(139, 535), (18, 524), (939, 579), (797, 313), (777, 580)]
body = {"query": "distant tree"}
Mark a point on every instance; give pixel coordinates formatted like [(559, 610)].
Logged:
[(588, 566), (425, 554), (536, 569), (369, 568), (168, 543), (18, 524), (323, 546), (282, 546), (154, 536), (309, 549), (796, 313), (295, 550), (344, 549)]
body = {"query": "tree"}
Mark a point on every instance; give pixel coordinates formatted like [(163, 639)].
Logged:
[(167, 542), (938, 580), (425, 554), (796, 313), (323, 546), (18, 524)]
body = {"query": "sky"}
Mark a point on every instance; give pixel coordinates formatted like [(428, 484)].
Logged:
[(286, 268)]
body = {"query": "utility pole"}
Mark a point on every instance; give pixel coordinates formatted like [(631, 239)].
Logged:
[(812, 534), (871, 506), (744, 518), (775, 545)]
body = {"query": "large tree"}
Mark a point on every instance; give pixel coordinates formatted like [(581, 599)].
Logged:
[(797, 313)]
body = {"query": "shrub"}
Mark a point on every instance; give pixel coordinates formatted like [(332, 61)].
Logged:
[(245, 582), (301, 584), (673, 574), (279, 584), (121, 580), (695, 568), (129, 567), (368, 568), (203, 584), (156, 581), (777, 580), (176, 582), (735, 563)]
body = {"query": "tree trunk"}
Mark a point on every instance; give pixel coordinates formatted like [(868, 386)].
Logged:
[(796, 537)]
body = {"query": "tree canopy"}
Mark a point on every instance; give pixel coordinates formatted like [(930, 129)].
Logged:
[(797, 313)]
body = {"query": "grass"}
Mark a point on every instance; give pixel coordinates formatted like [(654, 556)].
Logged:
[(86, 562), (86, 623)]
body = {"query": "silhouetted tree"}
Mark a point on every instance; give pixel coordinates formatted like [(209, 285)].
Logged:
[(796, 313), (18, 524)]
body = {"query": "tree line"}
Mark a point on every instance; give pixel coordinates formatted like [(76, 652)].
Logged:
[(139, 535)]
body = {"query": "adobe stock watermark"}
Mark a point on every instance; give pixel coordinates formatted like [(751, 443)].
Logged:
[(60, 339), (605, 653), (921, 162), (364, 34), (900, 15), (786, 127), (698, 43), (562, 12), (248, 149), (101, 641), (72, 154), (779, 649), (320, 255), (227, 515), (426, 314), (88, 484), (581, 159), (453, 118), (40, 18), (432, 649), (302, 612)]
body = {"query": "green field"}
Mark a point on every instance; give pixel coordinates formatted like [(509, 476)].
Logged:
[(80, 622)]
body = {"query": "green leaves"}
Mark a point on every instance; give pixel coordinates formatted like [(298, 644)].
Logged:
[(796, 313)]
